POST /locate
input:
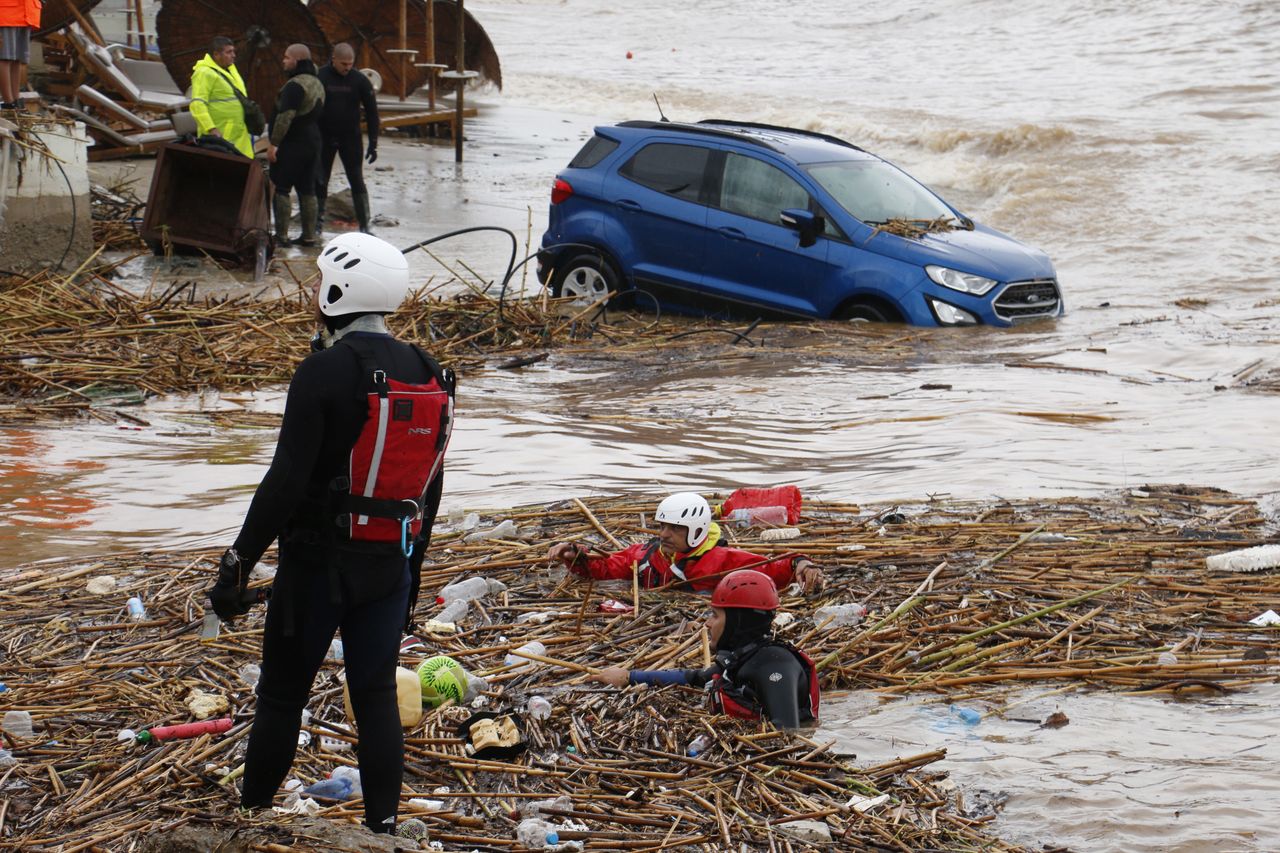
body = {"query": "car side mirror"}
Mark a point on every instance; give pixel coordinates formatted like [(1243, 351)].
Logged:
[(806, 222)]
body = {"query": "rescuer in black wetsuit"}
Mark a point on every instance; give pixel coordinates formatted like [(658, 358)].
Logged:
[(294, 152), (753, 673), (345, 93), (325, 580)]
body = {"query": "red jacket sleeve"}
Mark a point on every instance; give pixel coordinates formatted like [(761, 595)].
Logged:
[(718, 562), (615, 566)]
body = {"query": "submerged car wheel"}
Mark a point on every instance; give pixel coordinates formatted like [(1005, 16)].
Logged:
[(585, 277), (868, 312)]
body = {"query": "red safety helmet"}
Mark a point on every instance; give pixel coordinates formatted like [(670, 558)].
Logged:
[(746, 588)]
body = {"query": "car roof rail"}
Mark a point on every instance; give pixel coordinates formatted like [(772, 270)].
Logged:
[(700, 127), (813, 134)]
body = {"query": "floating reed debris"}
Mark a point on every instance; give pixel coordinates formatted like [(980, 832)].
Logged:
[(81, 344), (914, 229), (965, 598)]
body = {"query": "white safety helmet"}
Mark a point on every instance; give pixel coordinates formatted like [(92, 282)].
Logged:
[(360, 273), (689, 510)]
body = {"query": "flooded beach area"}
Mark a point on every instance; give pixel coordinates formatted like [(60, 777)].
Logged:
[(1134, 145)]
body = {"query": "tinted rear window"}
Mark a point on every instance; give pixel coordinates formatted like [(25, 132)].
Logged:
[(672, 169), (597, 148)]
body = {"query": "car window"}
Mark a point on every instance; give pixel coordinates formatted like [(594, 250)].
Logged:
[(668, 168), (875, 191), (757, 189), (597, 148)]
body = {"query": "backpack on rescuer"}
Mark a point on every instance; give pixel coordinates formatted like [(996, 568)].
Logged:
[(399, 452)]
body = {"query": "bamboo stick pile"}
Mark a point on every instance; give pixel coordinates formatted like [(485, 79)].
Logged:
[(81, 344), (965, 599)]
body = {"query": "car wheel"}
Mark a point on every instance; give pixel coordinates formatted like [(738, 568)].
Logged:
[(584, 277), (863, 311)]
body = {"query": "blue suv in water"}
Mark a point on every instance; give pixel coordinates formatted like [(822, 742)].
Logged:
[(732, 217)]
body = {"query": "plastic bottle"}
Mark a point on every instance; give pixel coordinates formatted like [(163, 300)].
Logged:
[(525, 663), (469, 590), (505, 530), (698, 745), (455, 611), (335, 650), (329, 789), (840, 615), (6, 759), (18, 724), (250, 673), (537, 834), (968, 716), (533, 808), (755, 516), (539, 708), (784, 496), (136, 611), (475, 686), (1166, 659)]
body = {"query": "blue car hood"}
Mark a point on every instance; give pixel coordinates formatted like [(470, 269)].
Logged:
[(983, 251)]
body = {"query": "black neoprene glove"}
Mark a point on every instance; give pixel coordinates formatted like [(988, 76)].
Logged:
[(228, 596), (372, 154)]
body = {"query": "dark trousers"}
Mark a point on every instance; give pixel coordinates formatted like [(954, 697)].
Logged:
[(297, 165), (301, 620), (349, 147)]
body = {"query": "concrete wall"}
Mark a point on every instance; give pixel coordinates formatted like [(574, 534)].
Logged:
[(45, 211)]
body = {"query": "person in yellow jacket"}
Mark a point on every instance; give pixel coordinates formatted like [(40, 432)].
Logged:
[(18, 19), (214, 104)]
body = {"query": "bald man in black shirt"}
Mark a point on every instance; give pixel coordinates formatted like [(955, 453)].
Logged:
[(345, 93)]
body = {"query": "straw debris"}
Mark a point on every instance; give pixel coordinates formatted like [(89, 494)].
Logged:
[(967, 600)]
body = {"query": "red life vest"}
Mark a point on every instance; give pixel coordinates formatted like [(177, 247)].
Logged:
[(737, 700), (399, 452)]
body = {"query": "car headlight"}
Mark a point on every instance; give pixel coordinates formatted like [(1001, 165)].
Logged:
[(961, 281), (950, 315)]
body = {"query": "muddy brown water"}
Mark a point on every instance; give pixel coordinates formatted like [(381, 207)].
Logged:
[(1134, 143)]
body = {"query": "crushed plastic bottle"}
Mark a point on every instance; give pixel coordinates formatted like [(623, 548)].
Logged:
[(126, 736), (533, 808), (539, 708), (968, 716), (1166, 659), (136, 611), (698, 745), (335, 651), (18, 724), (6, 759), (523, 663), (537, 834), (840, 615), (249, 674), (476, 685), (304, 737), (756, 516)]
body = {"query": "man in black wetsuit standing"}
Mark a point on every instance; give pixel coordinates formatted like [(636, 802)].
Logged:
[(753, 674), (294, 152), (345, 93), (345, 517)]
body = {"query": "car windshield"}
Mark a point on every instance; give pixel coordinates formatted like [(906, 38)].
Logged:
[(876, 192)]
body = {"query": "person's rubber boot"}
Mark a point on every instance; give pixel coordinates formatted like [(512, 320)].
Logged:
[(309, 209), (282, 208), (320, 200), (361, 203)]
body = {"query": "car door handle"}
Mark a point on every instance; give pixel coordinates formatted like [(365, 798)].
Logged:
[(628, 204), (732, 233)]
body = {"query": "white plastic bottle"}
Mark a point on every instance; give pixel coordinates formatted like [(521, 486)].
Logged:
[(465, 590), (515, 660), (533, 808), (539, 708), (136, 611)]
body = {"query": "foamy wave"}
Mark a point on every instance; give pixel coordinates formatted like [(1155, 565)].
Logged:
[(998, 143)]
